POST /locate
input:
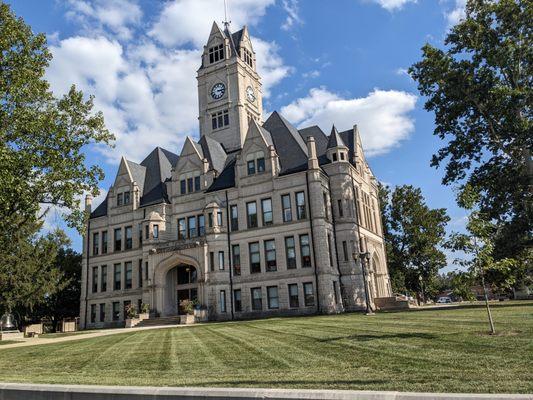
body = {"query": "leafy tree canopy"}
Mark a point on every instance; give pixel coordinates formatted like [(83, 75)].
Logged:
[(480, 89), (413, 234)]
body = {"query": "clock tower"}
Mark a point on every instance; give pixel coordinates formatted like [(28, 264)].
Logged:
[(229, 88)]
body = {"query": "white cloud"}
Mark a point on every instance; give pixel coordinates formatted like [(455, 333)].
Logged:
[(392, 5), (189, 21), (119, 16), (382, 116), (148, 92), (311, 74), (457, 13), (293, 18)]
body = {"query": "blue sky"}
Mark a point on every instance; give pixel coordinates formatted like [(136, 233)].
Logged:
[(322, 62)]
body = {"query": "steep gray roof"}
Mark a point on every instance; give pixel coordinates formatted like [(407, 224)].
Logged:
[(214, 152), (138, 173), (158, 164), (334, 139), (289, 145), (321, 140)]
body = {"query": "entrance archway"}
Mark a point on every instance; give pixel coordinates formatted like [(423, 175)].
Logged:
[(181, 284)]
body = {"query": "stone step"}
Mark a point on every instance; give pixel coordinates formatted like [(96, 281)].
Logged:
[(159, 321)]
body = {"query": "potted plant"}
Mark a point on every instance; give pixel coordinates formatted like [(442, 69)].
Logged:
[(188, 307), (132, 317), (144, 312)]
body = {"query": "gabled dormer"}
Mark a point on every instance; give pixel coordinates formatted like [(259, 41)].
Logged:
[(258, 156), (189, 172), (217, 47), (337, 150), (127, 189)]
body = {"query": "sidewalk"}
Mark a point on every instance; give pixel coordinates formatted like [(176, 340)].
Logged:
[(89, 335)]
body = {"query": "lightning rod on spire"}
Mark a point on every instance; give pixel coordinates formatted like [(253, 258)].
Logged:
[(226, 22)]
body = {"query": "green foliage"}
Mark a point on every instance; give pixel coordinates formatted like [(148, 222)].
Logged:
[(413, 234), (42, 162), (480, 89), (42, 139), (461, 284)]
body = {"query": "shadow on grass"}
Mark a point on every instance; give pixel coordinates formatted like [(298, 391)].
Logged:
[(493, 305), (278, 382), (377, 336)]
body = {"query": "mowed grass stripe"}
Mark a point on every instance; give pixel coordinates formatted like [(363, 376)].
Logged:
[(437, 350)]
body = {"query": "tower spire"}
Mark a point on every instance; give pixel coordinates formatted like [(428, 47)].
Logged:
[(226, 22)]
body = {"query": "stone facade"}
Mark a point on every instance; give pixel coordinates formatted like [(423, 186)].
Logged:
[(253, 220)]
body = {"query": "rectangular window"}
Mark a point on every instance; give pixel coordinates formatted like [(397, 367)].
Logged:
[(219, 119), (309, 296), (182, 229), (146, 270), (251, 212), (102, 312), (290, 252), (237, 300), (96, 239), (325, 199), (257, 299), (140, 232), (219, 218), (339, 206), (286, 205), (261, 164), (222, 300), (189, 185), (104, 242), (95, 279), (345, 250), (210, 219), (119, 200), (140, 274), (117, 277), (293, 296), (234, 218), (305, 251), (129, 274), (183, 186), (103, 279), (266, 208), (93, 313), (196, 183), (118, 239), (156, 231), (191, 222), (255, 258), (139, 305), (147, 232), (211, 261), (221, 260), (236, 259), (116, 311), (272, 297), (201, 225), (300, 205), (216, 53), (270, 255), (129, 237), (126, 305), (251, 167), (127, 198), (330, 252)]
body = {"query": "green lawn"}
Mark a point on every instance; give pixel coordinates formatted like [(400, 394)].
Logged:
[(3, 342), (430, 350)]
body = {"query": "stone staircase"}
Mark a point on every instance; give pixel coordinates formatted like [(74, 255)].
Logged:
[(174, 320), (390, 303)]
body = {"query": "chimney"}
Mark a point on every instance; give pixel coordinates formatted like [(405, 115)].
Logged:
[(88, 202), (312, 160)]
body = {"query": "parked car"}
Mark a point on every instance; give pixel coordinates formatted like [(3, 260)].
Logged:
[(444, 300)]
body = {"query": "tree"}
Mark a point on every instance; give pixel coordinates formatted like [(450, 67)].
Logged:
[(64, 303), (31, 273), (42, 161), (480, 88), (42, 139), (413, 234)]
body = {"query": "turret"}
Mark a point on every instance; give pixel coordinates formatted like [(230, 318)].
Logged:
[(337, 150)]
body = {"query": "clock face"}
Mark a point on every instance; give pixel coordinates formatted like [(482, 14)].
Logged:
[(250, 95), (218, 90)]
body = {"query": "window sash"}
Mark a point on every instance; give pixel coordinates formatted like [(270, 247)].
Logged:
[(272, 297), (257, 300), (270, 255), (251, 211), (236, 259), (294, 301), (290, 251), (266, 207), (255, 258), (191, 223), (237, 300), (300, 205), (234, 219), (309, 296), (305, 250), (129, 237), (286, 205)]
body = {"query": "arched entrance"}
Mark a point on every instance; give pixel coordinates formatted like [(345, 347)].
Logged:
[(181, 284)]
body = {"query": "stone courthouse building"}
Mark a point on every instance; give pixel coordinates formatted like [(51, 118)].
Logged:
[(256, 219)]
